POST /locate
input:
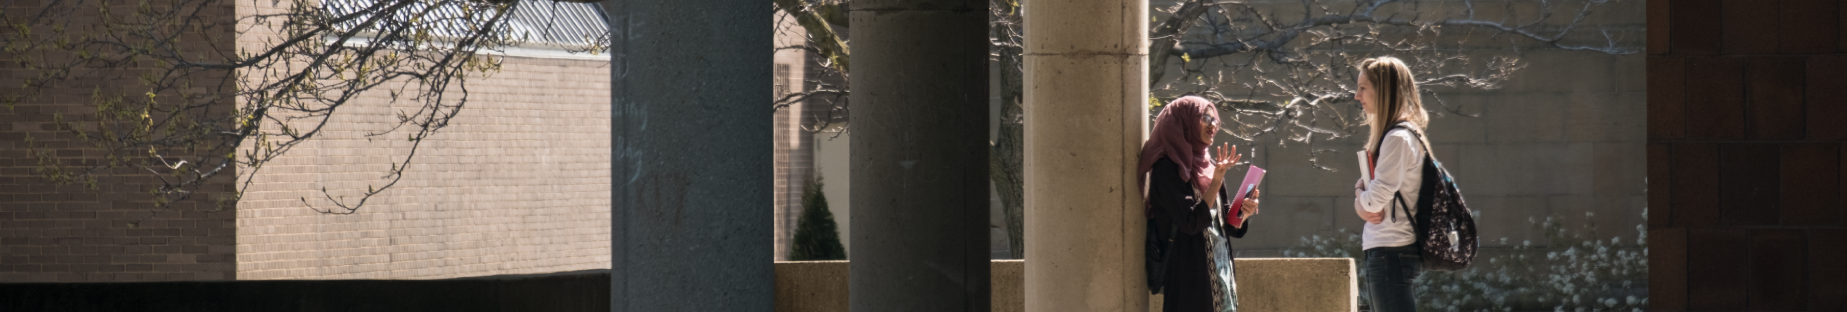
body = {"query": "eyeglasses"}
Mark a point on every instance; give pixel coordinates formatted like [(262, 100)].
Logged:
[(1214, 121)]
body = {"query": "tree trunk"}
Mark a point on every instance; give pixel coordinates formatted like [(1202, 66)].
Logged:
[(1008, 154), (1006, 160)]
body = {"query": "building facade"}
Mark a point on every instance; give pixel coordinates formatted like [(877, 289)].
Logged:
[(517, 183)]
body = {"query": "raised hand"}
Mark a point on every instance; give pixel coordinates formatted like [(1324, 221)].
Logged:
[(1224, 158)]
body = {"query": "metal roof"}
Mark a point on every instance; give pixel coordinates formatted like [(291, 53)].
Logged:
[(533, 23)]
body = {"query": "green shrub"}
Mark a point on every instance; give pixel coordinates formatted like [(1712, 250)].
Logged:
[(816, 235)]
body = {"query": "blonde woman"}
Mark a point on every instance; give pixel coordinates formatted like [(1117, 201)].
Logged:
[(1389, 94)]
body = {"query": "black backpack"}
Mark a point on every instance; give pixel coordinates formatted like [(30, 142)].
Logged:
[(1444, 225)]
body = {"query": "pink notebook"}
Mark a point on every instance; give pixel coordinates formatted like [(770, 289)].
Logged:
[(1251, 179), (1243, 189)]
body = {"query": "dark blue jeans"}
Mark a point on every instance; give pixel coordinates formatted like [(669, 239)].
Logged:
[(1389, 271)]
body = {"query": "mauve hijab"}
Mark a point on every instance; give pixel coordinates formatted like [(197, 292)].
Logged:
[(1176, 136)]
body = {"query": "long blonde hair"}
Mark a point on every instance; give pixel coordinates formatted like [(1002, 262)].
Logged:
[(1395, 95)]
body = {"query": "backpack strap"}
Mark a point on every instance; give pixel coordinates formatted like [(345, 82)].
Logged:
[(1398, 197), (1429, 156), (1397, 204), (1424, 187)]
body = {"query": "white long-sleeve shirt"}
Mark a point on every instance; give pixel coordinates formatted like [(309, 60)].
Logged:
[(1400, 169)]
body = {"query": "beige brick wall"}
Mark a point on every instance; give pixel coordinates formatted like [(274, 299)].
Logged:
[(794, 155), (517, 183), (51, 233)]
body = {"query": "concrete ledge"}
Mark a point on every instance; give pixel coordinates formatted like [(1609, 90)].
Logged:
[(821, 286), (1273, 284), (1009, 287), (818, 286), (1264, 284), (1297, 284)]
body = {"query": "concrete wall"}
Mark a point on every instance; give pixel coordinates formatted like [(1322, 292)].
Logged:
[(1301, 284), (115, 232), (517, 183), (1744, 155), (1297, 284), (831, 159)]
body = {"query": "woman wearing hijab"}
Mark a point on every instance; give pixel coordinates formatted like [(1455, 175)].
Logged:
[(1183, 185)]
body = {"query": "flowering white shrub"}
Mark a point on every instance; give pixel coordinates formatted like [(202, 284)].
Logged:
[(1575, 272)]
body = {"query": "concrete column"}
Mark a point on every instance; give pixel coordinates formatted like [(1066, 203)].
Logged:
[(1086, 110), (919, 156), (690, 156)]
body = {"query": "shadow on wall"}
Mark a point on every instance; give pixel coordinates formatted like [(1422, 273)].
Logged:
[(567, 291)]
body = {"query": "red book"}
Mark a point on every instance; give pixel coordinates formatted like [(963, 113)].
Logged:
[(1366, 166)]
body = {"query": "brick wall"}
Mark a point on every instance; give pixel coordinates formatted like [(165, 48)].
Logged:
[(51, 233), (795, 161), (793, 156), (1745, 133), (517, 183)]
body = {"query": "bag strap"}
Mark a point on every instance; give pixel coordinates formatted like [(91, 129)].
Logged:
[(1423, 186), (1398, 203), (1168, 256), (1429, 156), (1398, 197)]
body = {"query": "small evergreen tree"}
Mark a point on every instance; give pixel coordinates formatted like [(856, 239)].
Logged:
[(816, 235)]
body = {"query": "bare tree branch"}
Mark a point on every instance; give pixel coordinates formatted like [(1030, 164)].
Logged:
[(814, 20), (188, 112)]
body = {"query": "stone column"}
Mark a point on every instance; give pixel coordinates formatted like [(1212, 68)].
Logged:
[(690, 156), (919, 156), (1086, 110)]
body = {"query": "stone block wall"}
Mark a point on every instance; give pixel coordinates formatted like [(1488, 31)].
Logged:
[(1561, 138), (1745, 132), (114, 232)]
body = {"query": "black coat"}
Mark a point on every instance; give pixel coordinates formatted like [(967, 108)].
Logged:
[(1188, 285)]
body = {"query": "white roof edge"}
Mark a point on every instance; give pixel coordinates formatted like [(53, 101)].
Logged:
[(547, 53), (526, 50)]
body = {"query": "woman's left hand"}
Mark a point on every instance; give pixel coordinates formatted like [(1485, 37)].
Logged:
[(1246, 210), (1249, 208)]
